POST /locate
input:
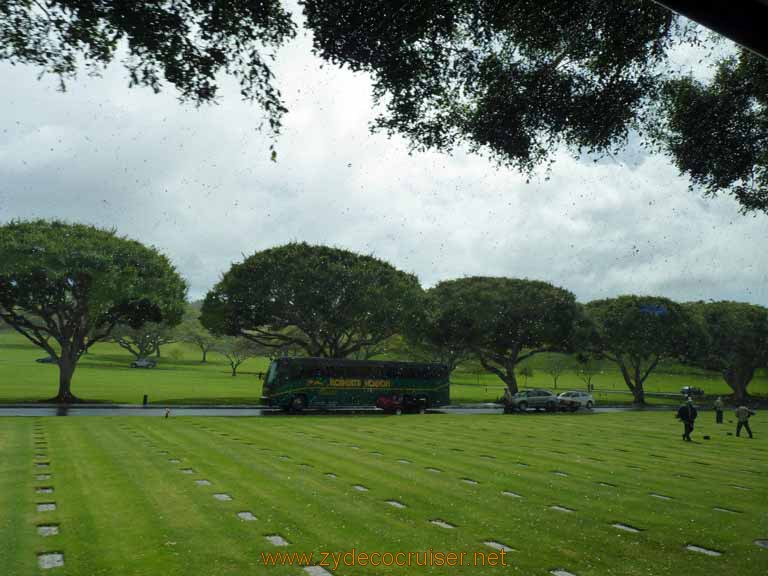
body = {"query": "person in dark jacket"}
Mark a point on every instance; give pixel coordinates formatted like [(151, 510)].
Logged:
[(687, 413)]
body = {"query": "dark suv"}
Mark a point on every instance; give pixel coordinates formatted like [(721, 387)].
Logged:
[(534, 398)]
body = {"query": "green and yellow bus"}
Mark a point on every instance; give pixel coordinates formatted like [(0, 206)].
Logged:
[(299, 383)]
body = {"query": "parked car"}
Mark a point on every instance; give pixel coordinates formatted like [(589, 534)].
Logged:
[(575, 399), (143, 363), (46, 360), (533, 398), (691, 391), (397, 403)]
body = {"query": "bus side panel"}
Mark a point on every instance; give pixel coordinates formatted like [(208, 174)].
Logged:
[(322, 393)]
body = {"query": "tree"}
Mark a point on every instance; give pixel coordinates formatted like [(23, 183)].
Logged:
[(586, 369), (71, 284), (638, 332), (515, 79), (736, 341), (508, 320), (439, 334), (146, 340), (526, 372), (327, 301), (717, 131), (192, 331), (391, 344), (237, 351), (185, 43), (555, 369)]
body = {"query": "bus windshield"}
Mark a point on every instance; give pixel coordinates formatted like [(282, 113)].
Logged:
[(269, 379)]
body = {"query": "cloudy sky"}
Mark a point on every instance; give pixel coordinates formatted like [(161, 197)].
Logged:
[(199, 185)]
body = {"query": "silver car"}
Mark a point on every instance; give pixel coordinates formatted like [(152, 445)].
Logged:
[(579, 398), (143, 363), (533, 398)]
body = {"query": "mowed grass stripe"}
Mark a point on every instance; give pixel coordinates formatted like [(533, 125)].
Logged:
[(264, 482), (18, 538), (123, 513)]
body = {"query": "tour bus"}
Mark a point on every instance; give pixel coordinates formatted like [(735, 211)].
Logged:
[(298, 383)]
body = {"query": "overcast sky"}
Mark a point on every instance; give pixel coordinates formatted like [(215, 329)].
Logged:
[(199, 185)]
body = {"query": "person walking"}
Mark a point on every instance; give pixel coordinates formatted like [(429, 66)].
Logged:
[(719, 410), (742, 415), (687, 413)]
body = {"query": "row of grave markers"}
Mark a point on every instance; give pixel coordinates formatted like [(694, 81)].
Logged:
[(43, 473)]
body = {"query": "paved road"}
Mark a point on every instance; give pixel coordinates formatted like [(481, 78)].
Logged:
[(159, 411)]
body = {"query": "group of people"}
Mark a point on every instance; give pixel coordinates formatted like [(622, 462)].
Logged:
[(687, 414)]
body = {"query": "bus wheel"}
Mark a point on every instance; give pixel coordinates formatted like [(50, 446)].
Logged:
[(298, 403)]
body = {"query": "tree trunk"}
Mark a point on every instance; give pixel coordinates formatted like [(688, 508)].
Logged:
[(205, 354), (157, 351), (738, 380), (234, 370), (511, 381), (66, 370), (636, 388)]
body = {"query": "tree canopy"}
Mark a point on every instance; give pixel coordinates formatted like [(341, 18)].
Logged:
[(735, 343), (638, 332), (507, 320), (717, 131), (73, 283), (439, 333), (185, 43), (514, 80), (328, 301), (192, 331), (146, 340)]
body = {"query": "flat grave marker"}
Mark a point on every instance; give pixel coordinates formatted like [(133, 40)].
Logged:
[(702, 550), (277, 540), (48, 560), (48, 529)]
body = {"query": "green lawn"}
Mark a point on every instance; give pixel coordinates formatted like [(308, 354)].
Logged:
[(123, 508), (104, 375)]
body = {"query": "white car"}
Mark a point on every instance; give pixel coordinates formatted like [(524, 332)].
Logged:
[(584, 399)]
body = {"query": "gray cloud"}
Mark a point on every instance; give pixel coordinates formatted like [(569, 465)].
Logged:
[(198, 184)]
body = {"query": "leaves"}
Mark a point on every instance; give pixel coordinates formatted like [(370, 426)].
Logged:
[(328, 301), (186, 43), (503, 320), (717, 132)]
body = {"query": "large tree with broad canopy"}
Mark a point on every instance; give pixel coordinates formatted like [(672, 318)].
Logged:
[(639, 332), (506, 320), (735, 343), (327, 301), (65, 287)]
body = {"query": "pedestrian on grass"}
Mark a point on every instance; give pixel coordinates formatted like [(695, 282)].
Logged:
[(742, 415), (719, 410), (167, 412), (687, 413)]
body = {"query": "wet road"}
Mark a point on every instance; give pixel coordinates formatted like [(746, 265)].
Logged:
[(159, 411)]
